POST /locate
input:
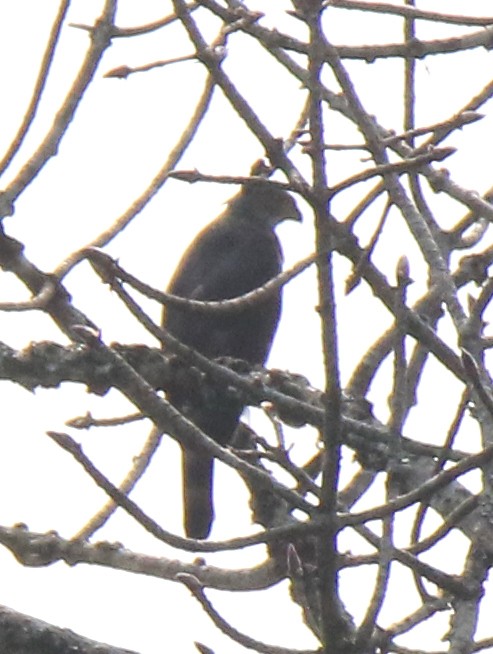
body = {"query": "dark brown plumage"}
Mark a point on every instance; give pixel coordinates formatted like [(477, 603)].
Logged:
[(237, 253)]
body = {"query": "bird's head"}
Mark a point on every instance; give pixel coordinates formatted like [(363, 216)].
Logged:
[(265, 202)]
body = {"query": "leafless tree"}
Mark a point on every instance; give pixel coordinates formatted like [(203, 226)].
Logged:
[(376, 505)]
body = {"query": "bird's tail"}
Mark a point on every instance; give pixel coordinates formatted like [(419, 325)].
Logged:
[(197, 492)]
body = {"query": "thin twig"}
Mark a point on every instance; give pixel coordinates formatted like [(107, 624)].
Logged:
[(410, 12), (100, 41), (422, 492), (226, 628), (138, 205), (46, 63)]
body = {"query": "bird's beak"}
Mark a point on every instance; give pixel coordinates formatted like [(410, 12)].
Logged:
[(298, 216), (292, 211)]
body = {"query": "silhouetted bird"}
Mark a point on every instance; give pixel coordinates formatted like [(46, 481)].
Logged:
[(237, 253)]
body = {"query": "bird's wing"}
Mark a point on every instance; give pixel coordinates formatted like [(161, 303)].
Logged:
[(224, 262)]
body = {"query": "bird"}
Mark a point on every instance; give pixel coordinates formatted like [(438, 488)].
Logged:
[(236, 253)]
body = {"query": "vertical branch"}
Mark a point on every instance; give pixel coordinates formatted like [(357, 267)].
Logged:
[(399, 397), (440, 464), (410, 124), (409, 78), (398, 405), (331, 432), (464, 621)]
